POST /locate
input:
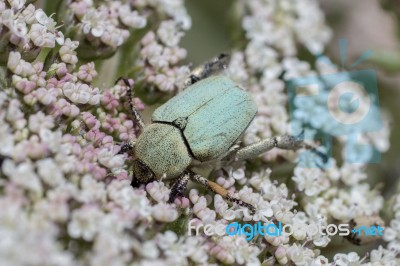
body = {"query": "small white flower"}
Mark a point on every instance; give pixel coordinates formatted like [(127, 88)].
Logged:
[(311, 30), (41, 37), (169, 33), (320, 261), (260, 56), (171, 78), (178, 250), (91, 190), (109, 158), (77, 93), (29, 14), (351, 174), (164, 212), (51, 138), (44, 20), (16, 4), (158, 191), (383, 256), (47, 96), (237, 67), (67, 51), (238, 174), (123, 195), (339, 210), (87, 72), (113, 36), (84, 222), (19, 66), (40, 120), (351, 259), (147, 249), (310, 180), (200, 209), (59, 37), (94, 22), (131, 18), (7, 139), (17, 28), (14, 113), (50, 172), (221, 207), (231, 249), (300, 255), (281, 255), (23, 175), (81, 93), (173, 54)]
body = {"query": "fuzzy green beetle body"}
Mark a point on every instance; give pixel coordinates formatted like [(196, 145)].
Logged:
[(201, 123), (162, 149)]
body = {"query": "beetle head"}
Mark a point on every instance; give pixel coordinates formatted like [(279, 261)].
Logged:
[(141, 173)]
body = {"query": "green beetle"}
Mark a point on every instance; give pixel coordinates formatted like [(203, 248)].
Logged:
[(203, 123)]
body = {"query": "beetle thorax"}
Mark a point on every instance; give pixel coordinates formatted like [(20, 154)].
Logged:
[(162, 148)]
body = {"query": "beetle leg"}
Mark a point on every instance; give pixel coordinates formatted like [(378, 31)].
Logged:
[(135, 113), (178, 188), (192, 79), (210, 68), (285, 142), (214, 187), (127, 147), (136, 183)]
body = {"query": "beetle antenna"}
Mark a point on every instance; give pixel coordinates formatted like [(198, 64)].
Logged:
[(135, 113)]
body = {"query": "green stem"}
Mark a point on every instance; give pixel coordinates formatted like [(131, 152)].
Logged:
[(389, 61), (51, 7), (42, 55), (128, 53), (3, 78)]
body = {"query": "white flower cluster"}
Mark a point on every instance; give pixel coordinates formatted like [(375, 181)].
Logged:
[(81, 93), (160, 56), (27, 27), (379, 256), (273, 31), (103, 22), (111, 23), (30, 80), (57, 155), (392, 232), (321, 189), (284, 24)]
